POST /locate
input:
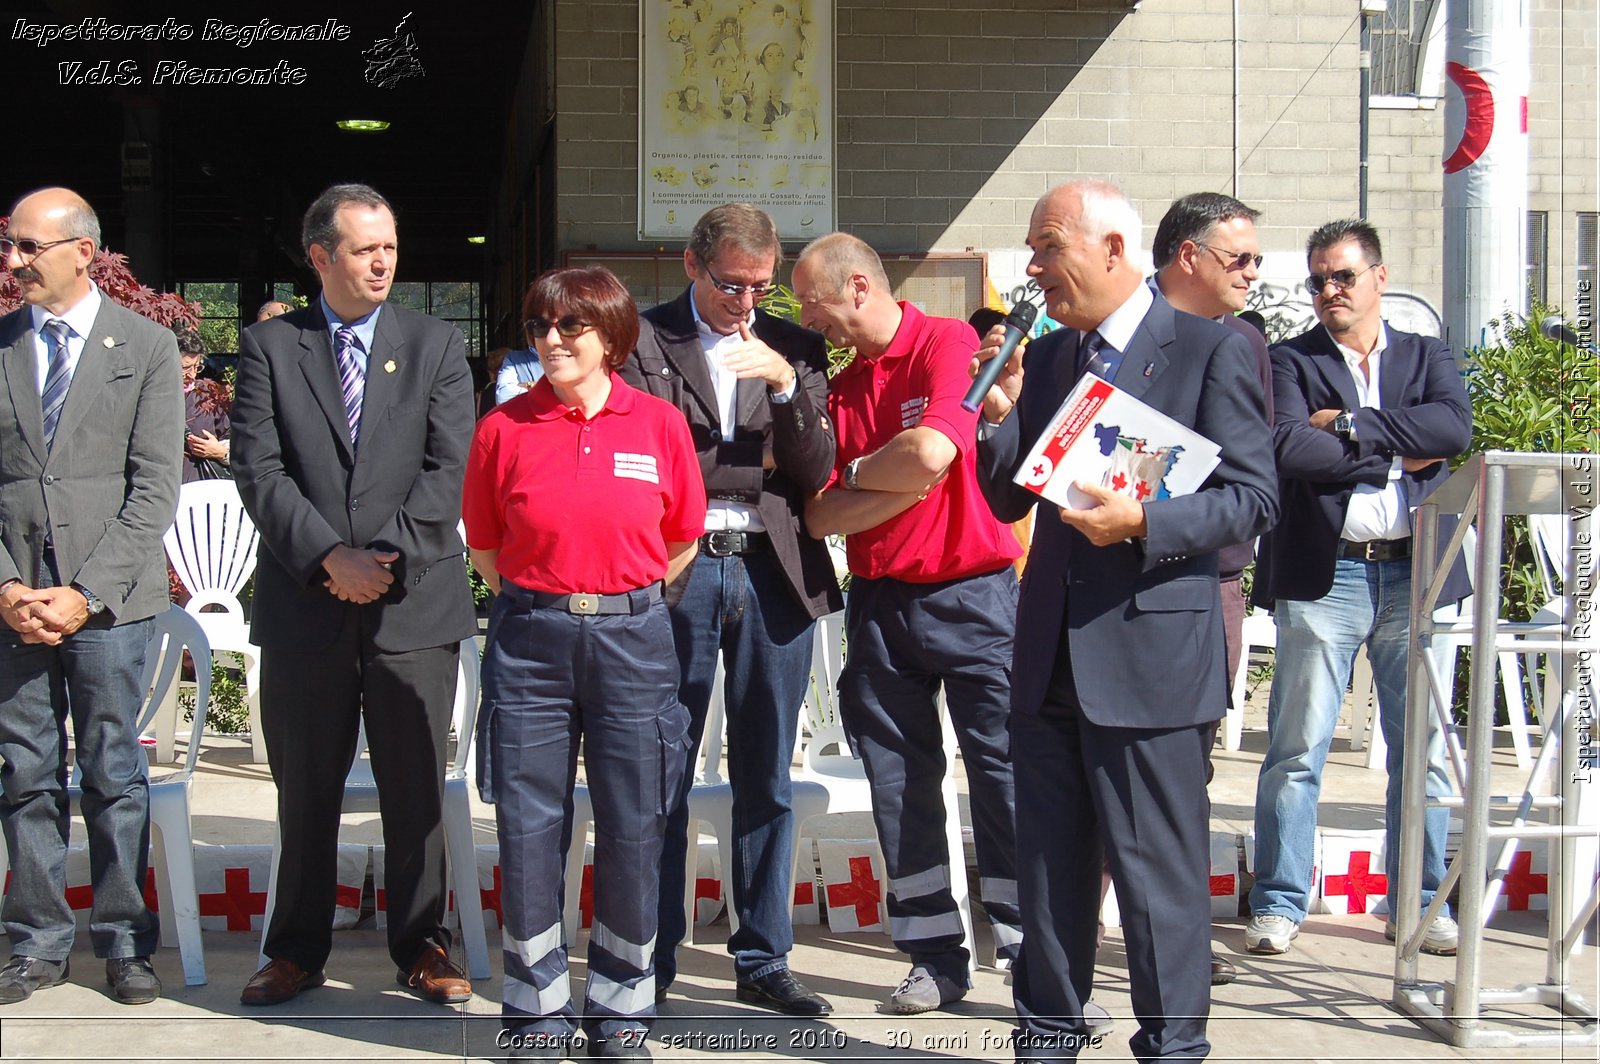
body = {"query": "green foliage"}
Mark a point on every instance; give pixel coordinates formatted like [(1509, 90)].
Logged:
[(226, 714), (480, 590), (781, 303), (1528, 393)]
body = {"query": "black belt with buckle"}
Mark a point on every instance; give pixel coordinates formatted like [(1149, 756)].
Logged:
[(589, 604), (1376, 550), (723, 544)]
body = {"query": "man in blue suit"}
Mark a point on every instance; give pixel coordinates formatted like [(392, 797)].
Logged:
[(1364, 417), (1119, 667)]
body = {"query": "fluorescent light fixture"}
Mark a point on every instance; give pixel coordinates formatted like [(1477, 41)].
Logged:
[(477, 240), (362, 125)]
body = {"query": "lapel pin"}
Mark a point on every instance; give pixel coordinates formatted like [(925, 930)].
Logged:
[(388, 367), (109, 342), (1149, 369)]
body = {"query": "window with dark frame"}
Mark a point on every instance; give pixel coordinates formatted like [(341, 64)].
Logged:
[(1536, 278)]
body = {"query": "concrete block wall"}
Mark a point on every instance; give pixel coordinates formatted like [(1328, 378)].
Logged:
[(954, 115)]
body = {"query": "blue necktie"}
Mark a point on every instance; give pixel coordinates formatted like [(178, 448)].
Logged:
[(351, 379), (57, 378), (1098, 357)]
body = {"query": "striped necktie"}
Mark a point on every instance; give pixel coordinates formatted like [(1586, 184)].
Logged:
[(1098, 357), (57, 378), (351, 379)]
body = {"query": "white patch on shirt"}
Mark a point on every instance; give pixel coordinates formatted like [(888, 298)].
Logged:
[(637, 467), (911, 411)]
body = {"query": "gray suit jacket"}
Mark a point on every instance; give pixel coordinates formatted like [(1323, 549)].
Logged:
[(108, 488), (308, 491)]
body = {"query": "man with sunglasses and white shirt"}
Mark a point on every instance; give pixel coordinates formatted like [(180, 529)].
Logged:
[(754, 390), (1366, 417)]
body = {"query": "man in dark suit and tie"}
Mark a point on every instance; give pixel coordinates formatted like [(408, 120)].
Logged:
[(350, 434), (1365, 417), (754, 389), (1119, 665), (91, 423)]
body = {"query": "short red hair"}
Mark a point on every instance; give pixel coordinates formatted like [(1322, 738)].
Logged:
[(594, 294)]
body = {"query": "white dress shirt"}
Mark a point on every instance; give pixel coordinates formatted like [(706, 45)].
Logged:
[(1374, 512), (80, 319)]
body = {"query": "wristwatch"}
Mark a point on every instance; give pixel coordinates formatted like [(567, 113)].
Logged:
[(850, 470), (96, 607), (1343, 424)]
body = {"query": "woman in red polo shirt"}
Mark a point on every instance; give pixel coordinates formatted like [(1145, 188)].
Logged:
[(582, 496)]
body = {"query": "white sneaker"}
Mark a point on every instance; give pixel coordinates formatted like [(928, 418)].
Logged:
[(1441, 937), (1269, 933)]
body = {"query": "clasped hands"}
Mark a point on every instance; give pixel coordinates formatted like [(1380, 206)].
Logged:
[(43, 615), (358, 575)]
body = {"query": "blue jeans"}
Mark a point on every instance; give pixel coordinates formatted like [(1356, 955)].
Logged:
[(91, 678), (743, 606), (1369, 602)]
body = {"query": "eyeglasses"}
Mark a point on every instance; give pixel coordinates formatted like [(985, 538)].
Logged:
[(570, 327), (755, 291), (1232, 260), (1340, 279), (31, 248)]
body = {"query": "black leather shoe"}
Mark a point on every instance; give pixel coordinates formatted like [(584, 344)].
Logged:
[(21, 976), (1222, 970), (781, 991), (133, 981)]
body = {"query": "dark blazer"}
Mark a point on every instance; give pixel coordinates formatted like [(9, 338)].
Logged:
[(669, 362), (108, 488), (1425, 414), (1129, 611), (399, 490)]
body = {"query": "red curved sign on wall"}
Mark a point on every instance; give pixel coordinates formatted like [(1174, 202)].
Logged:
[(1479, 126)]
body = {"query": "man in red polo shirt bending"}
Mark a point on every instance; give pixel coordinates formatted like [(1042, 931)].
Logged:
[(932, 602)]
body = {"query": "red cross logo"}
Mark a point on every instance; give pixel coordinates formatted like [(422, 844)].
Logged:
[(237, 901), (1357, 884), (1038, 471), (707, 889), (862, 891), (489, 899), (151, 900), (348, 897), (1119, 482), (1141, 490), (1221, 886), (1521, 883), (805, 892), (81, 897)]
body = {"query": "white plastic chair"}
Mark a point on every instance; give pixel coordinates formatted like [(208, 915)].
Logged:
[(212, 547), (361, 796), (172, 843), (1259, 632)]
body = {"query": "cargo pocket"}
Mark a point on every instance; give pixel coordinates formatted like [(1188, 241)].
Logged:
[(672, 736)]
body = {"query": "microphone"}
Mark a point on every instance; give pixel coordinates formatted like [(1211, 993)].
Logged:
[(1017, 324), (1554, 328)]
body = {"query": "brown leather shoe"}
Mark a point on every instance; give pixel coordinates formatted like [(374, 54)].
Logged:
[(434, 977), (280, 980)]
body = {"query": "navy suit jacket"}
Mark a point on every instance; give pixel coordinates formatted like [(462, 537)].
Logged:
[(1425, 414), (308, 491), (1142, 623)]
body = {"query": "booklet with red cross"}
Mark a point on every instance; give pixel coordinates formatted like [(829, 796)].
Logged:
[(1105, 436)]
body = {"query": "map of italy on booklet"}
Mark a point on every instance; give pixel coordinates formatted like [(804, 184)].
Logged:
[(1105, 436)]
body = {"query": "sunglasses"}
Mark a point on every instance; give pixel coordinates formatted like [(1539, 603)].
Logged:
[(756, 291), (570, 327), (31, 248), (1340, 279), (1232, 260)]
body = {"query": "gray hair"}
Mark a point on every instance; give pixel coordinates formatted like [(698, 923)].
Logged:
[(738, 225), (321, 224), (838, 255), (1105, 210)]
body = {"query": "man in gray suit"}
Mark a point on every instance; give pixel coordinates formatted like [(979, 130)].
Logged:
[(91, 423), (350, 434)]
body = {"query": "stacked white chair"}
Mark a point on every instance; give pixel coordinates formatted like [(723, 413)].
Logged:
[(212, 547)]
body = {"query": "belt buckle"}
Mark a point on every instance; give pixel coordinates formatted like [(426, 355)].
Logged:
[(583, 604), (722, 543), (1369, 550)]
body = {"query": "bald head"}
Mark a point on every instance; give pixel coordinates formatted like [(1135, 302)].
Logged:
[(52, 237), (1087, 254), (845, 295)]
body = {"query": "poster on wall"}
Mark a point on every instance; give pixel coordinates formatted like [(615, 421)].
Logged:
[(736, 104)]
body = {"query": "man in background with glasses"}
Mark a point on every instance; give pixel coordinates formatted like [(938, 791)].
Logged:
[(1366, 416), (754, 390), (1207, 256), (89, 457)]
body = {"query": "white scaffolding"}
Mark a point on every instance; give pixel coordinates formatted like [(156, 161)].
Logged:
[(1484, 492)]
